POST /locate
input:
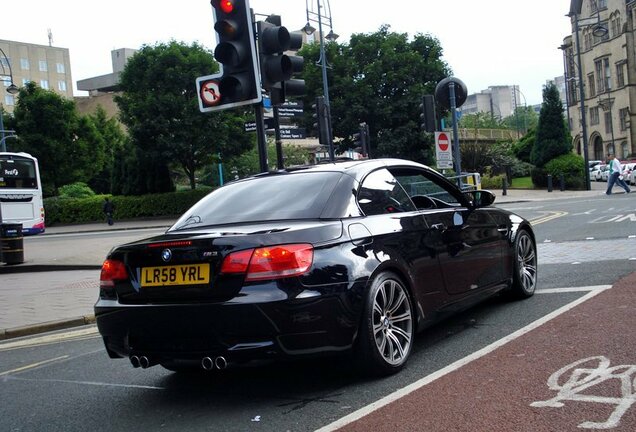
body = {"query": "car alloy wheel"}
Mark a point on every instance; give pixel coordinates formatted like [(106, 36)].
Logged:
[(525, 277)]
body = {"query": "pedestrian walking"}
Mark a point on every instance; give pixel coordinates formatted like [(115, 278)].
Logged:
[(615, 175), (108, 208)]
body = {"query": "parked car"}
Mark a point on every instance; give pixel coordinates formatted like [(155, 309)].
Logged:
[(597, 171), (594, 163), (309, 261), (605, 173), (628, 172)]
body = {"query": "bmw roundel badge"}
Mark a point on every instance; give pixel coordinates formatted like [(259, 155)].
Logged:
[(166, 255)]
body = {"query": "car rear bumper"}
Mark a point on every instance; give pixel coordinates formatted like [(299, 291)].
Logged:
[(239, 332)]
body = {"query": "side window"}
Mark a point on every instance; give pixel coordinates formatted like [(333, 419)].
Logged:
[(418, 184), (381, 193)]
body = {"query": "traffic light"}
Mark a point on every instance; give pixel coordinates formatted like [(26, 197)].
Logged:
[(322, 118), (427, 117), (277, 68), (237, 82), (361, 139)]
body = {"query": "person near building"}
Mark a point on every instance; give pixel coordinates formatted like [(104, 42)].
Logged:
[(615, 175)]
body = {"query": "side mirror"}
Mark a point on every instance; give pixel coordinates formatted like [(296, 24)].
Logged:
[(480, 198)]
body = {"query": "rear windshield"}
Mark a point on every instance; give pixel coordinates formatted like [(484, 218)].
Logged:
[(276, 197)]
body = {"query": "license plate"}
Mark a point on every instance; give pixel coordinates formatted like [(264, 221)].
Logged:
[(191, 274)]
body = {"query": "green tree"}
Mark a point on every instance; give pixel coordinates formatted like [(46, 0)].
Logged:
[(159, 106), (111, 140), (522, 149), (66, 144), (379, 78), (552, 137)]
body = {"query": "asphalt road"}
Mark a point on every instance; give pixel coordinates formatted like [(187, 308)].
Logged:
[(65, 381)]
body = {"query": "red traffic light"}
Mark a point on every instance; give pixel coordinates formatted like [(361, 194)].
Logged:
[(227, 6)]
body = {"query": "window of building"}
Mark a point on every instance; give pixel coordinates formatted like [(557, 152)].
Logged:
[(24, 64), (44, 84), (60, 68), (594, 117), (591, 85), (608, 122), (620, 74), (602, 4), (623, 115), (587, 41), (25, 81), (9, 100), (4, 62), (43, 66), (624, 150), (6, 80), (61, 86), (603, 75)]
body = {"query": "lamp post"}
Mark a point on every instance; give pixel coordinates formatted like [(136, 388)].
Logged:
[(11, 89), (320, 19), (598, 30)]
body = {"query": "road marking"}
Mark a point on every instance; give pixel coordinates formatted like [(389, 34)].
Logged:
[(92, 383), (84, 333), (546, 218), (33, 365), (582, 378), (572, 289), (356, 415)]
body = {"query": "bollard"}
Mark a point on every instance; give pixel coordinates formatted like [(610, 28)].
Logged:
[(504, 186), (562, 182), (549, 183)]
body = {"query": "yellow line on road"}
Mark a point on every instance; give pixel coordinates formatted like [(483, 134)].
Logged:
[(72, 335), (33, 365), (548, 217)]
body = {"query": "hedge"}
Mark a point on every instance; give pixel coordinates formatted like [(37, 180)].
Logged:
[(571, 166), (62, 210)]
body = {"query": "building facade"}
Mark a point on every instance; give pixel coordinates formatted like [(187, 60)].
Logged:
[(49, 67), (498, 101), (601, 86)]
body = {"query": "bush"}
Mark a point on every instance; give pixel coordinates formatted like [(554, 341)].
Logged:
[(76, 190), (571, 166), (492, 182), (61, 210)]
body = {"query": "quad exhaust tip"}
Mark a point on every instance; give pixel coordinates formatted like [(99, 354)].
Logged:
[(219, 363), (144, 362), (134, 361)]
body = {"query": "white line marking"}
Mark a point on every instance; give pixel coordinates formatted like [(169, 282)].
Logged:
[(573, 289), (455, 366), (93, 383)]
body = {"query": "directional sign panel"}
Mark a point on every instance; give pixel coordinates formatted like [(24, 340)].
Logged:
[(443, 150)]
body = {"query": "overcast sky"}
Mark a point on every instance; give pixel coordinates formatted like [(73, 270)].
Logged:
[(486, 43)]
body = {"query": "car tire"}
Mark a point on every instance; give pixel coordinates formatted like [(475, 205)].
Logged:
[(387, 327), (524, 278)]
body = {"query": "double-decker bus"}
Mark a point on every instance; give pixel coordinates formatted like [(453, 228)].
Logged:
[(21, 192)]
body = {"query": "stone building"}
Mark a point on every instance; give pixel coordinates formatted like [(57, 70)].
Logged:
[(600, 72)]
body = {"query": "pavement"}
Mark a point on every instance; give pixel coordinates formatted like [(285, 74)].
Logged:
[(56, 291)]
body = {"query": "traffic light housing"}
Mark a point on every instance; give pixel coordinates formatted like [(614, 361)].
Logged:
[(237, 82), (277, 68), (361, 139), (428, 117), (321, 115)]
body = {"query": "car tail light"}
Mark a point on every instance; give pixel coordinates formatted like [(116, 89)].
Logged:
[(270, 262), (112, 270)]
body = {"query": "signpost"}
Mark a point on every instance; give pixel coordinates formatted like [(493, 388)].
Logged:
[(443, 151)]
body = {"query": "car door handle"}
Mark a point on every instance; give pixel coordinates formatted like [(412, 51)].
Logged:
[(439, 226)]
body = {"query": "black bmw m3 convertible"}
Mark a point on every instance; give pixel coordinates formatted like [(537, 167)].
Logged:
[(344, 257)]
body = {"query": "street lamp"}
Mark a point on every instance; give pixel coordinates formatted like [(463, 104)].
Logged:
[(11, 89), (320, 19), (598, 30)]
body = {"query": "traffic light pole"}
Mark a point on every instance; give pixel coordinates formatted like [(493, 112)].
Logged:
[(261, 138), (279, 142)]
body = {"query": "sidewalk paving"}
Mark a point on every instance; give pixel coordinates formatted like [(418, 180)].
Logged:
[(47, 293)]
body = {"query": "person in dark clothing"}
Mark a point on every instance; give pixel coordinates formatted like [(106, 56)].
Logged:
[(108, 208)]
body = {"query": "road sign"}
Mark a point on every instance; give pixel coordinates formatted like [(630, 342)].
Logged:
[(210, 93), (443, 151), (293, 133)]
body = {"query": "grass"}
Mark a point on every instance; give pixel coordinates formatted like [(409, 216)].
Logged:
[(522, 183)]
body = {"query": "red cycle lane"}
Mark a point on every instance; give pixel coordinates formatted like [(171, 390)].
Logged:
[(574, 372)]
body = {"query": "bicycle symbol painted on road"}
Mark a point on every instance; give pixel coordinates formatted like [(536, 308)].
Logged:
[(583, 376)]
